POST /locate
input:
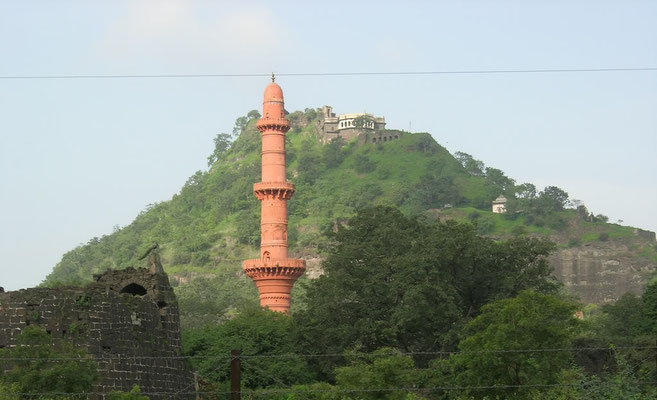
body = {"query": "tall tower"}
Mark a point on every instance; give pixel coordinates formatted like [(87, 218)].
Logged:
[(274, 273)]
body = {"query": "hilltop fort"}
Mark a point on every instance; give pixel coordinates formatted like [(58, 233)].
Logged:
[(366, 127)]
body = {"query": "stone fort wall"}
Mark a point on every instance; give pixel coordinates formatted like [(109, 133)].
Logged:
[(331, 126), (127, 320)]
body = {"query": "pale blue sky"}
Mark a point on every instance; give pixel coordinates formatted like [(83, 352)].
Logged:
[(80, 156)]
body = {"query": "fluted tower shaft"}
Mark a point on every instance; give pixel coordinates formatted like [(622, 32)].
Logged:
[(274, 272)]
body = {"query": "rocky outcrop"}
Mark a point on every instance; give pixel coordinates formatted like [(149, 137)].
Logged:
[(601, 272)]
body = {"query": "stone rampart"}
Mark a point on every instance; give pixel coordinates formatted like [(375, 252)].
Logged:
[(127, 320)]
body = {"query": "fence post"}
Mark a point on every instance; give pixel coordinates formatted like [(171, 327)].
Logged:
[(196, 386), (235, 383)]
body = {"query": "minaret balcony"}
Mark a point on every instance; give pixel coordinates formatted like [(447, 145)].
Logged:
[(273, 124), (287, 267), (279, 190)]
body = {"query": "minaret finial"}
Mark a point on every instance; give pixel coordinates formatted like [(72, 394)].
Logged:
[(273, 78)]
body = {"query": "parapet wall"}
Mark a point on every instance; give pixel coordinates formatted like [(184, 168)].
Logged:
[(127, 320), (344, 126)]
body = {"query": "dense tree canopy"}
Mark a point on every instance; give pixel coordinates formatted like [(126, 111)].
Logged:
[(255, 332), (649, 310), (493, 353), (397, 281)]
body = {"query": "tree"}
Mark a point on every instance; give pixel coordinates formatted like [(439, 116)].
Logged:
[(493, 352), (256, 332), (551, 199), (363, 121), (525, 194), (649, 309), (363, 164), (253, 114), (332, 153), (496, 178), (310, 113), (383, 369), (240, 125), (622, 384), (622, 320), (435, 192), (221, 144), (309, 164), (425, 144), (471, 165), (213, 300), (248, 230), (396, 281), (39, 365)]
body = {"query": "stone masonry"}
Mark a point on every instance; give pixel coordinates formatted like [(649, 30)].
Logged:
[(127, 320), (331, 126)]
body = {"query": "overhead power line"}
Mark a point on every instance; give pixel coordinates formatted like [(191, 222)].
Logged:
[(331, 355), (344, 73)]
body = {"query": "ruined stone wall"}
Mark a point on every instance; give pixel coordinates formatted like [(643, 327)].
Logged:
[(127, 320)]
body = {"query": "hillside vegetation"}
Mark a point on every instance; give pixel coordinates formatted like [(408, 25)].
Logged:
[(213, 223)]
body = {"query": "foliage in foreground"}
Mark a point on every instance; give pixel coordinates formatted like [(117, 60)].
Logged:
[(401, 282), (39, 365), (256, 333), (493, 352), (398, 286), (133, 394)]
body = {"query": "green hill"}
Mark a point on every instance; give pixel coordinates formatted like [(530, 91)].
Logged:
[(213, 223)]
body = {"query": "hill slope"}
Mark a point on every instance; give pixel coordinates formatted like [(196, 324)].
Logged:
[(213, 223)]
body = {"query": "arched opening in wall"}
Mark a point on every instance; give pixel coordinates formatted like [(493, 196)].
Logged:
[(134, 289)]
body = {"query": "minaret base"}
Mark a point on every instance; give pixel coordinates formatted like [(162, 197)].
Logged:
[(274, 280)]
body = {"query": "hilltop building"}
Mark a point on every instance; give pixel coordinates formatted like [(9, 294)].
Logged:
[(366, 127), (274, 272), (499, 205)]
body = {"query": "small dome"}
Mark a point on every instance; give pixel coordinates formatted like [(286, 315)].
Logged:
[(273, 92), (500, 199)]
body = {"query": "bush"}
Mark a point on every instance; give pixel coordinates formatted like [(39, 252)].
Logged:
[(363, 164), (37, 365), (485, 226), (134, 394), (518, 230), (604, 236), (573, 242), (473, 216)]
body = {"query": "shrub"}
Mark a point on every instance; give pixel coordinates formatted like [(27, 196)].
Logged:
[(573, 242)]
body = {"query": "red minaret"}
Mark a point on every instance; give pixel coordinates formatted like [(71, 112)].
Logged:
[(274, 273)]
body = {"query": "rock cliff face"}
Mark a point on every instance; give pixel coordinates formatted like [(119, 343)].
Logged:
[(597, 272), (602, 272)]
